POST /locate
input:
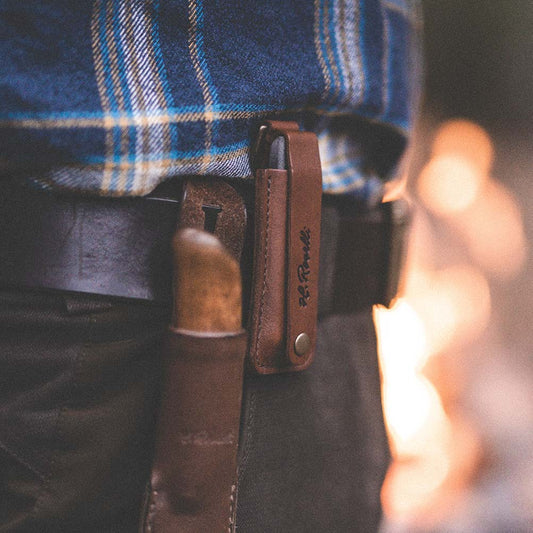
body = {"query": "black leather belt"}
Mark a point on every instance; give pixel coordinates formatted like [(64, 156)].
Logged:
[(121, 247), (117, 247)]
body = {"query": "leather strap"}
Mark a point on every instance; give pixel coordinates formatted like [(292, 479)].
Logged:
[(214, 206), (304, 197), (286, 258)]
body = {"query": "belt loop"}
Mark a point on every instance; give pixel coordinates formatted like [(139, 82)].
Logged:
[(214, 206)]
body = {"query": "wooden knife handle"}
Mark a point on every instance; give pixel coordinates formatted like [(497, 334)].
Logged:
[(193, 478), (207, 284)]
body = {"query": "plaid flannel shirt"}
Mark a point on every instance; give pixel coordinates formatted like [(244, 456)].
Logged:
[(112, 97)]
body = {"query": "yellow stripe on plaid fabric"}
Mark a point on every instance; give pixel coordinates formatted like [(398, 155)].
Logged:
[(128, 120), (188, 164), (194, 7), (105, 94), (129, 84), (119, 91), (144, 80), (328, 38)]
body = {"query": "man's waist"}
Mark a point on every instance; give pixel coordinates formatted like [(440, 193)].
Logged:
[(120, 247)]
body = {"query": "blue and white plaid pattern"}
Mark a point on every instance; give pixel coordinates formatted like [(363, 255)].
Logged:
[(114, 96)]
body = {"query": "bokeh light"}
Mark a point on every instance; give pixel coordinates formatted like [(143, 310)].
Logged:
[(493, 231), (449, 184), (445, 308), (466, 140)]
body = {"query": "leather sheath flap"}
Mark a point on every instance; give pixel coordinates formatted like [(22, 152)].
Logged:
[(286, 253)]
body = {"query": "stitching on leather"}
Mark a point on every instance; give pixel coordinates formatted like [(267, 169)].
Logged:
[(231, 508), (247, 443), (247, 434), (151, 511), (265, 258)]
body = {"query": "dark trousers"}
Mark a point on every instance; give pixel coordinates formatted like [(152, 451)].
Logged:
[(79, 388)]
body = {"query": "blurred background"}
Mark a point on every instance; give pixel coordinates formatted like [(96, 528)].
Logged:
[(456, 350)]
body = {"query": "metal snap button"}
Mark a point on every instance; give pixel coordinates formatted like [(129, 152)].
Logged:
[(302, 344)]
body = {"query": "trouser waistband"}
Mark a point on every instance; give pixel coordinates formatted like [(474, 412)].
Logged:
[(121, 247)]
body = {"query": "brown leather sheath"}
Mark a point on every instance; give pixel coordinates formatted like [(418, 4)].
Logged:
[(193, 480), (194, 473)]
